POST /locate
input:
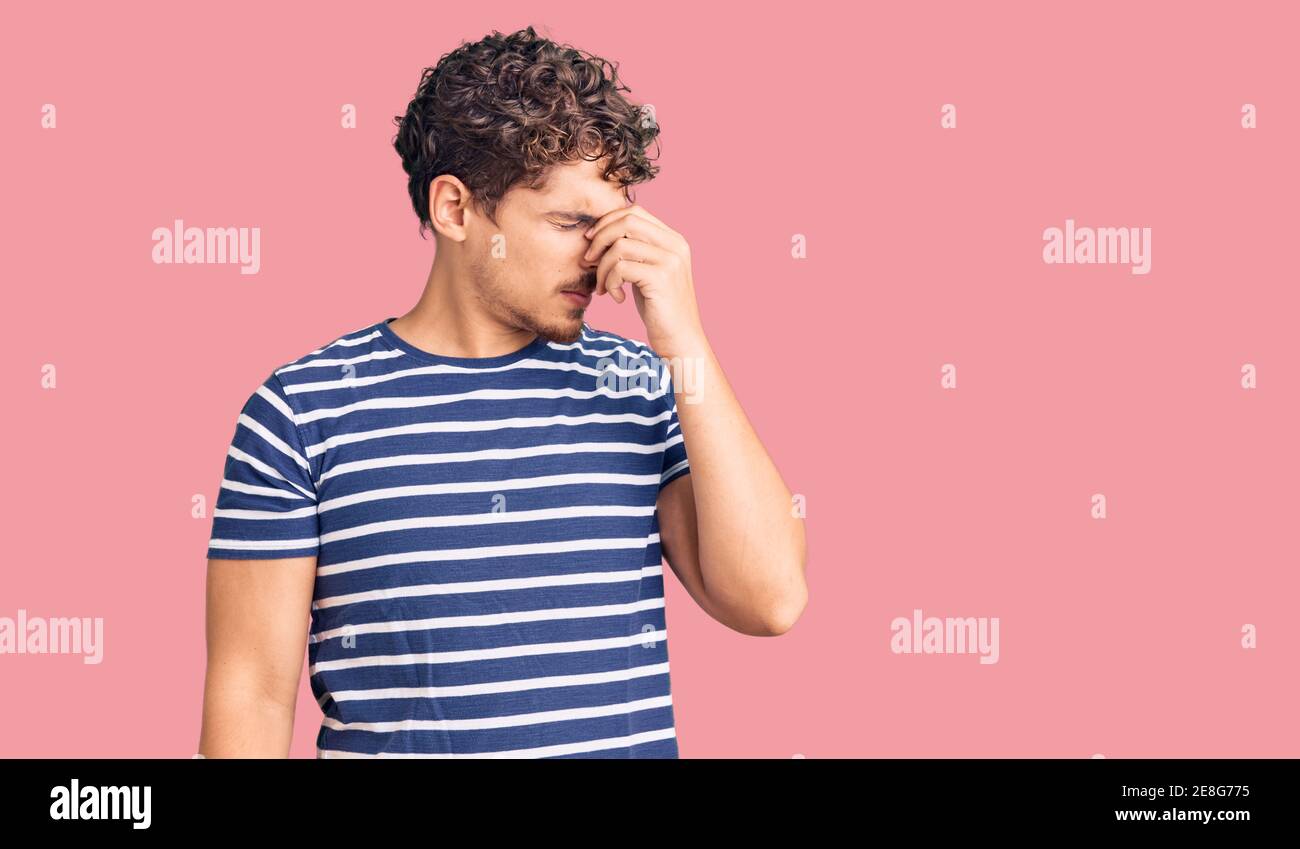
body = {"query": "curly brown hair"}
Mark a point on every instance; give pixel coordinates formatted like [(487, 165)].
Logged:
[(501, 111)]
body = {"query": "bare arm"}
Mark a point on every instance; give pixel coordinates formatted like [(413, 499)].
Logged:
[(730, 533), (258, 615), (728, 529)]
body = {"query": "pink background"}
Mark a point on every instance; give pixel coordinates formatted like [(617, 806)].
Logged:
[(1118, 636)]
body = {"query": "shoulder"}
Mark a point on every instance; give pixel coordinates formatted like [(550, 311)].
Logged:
[(334, 359), (356, 346)]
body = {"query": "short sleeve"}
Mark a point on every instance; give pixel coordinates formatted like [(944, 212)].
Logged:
[(266, 507), (676, 462)]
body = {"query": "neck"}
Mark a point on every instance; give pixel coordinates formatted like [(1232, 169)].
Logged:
[(450, 321)]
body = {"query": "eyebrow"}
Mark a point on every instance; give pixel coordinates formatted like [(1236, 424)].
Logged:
[(576, 216)]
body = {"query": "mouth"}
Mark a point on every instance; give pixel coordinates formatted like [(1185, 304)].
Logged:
[(577, 297)]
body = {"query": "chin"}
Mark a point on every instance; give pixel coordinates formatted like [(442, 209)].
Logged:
[(564, 330)]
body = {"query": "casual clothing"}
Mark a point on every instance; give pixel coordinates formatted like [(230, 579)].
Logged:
[(489, 579)]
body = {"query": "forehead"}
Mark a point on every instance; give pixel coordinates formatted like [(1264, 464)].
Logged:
[(579, 187)]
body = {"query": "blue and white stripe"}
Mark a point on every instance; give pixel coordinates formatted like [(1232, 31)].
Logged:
[(489, 579)]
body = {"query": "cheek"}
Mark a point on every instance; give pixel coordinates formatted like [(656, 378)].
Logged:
[(552, 260)]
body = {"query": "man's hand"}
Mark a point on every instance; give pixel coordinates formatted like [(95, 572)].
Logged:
[(638, 249), (727, 529)]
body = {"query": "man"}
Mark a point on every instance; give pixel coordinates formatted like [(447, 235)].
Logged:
[(472, 500)]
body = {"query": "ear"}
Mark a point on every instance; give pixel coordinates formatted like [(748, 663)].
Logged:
[(450, 203)]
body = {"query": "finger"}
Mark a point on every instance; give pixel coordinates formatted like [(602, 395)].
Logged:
[(638, 209), (630, 226), (671, 239), (630, 249), (621, 273), (622, 213), (636, 262), (628, 274)]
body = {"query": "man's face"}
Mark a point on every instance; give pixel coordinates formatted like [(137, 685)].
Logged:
[(537, 253)]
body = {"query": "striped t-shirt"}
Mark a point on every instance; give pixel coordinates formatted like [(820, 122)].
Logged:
[(488, 579)]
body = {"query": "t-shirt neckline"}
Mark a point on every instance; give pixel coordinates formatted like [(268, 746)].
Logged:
[(536, 346)]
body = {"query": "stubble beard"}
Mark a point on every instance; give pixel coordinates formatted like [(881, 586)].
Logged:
[(498, 298)]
